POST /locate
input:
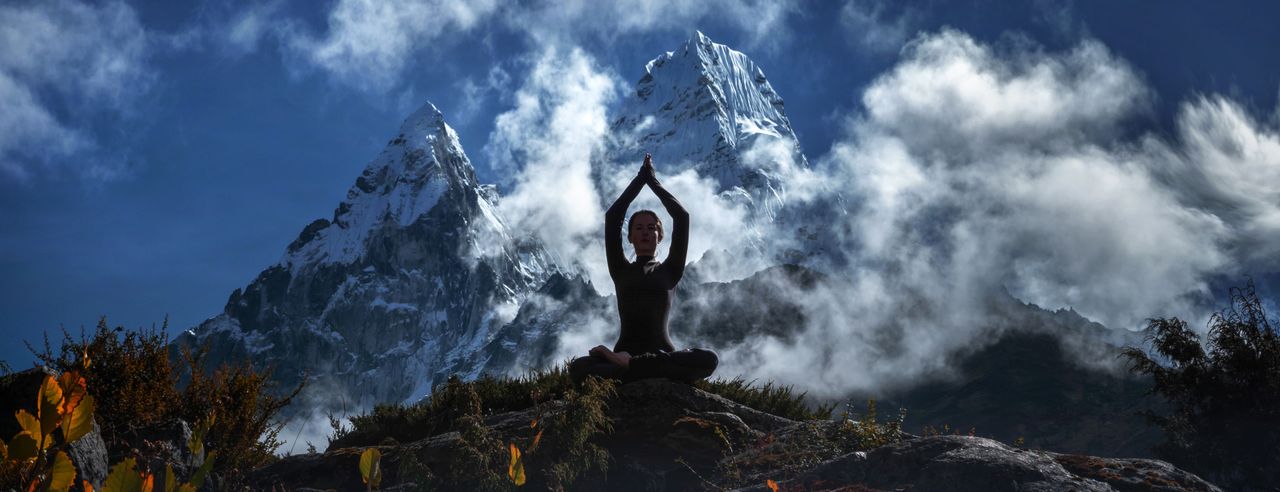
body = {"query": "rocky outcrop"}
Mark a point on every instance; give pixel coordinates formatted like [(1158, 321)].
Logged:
[(670, 436)]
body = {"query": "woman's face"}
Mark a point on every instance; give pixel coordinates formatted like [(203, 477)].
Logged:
[(644, 234)]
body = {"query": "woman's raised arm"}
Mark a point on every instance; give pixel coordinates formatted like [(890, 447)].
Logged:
[(679, 231), (613, 225)]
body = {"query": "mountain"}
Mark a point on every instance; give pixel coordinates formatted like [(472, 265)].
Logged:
[(707, 108), (412, 274), (704, 106)]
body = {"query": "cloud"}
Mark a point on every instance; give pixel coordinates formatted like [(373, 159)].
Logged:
[(473, 95), (868, 24), (1227, 163), (368, 43), (1003, 171), (65, 62), (244, 31), (556, 128), (762, 21)]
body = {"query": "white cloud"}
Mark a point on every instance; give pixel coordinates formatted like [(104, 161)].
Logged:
[(551, 136), (474, 94), (975, 169), (868, 24), (246, 29), (1227, 164), (369, 43), (763, 21), (63, 63)]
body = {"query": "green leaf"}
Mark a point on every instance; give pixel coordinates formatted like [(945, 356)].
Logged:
[(371, 467), (123, 478), (197, 479), (62, 474), (23, 447), (80, 421)]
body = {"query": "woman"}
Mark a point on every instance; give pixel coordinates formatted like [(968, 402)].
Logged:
[(645, 289)]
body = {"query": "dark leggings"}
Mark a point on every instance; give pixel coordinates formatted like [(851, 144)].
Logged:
[(686, 366)]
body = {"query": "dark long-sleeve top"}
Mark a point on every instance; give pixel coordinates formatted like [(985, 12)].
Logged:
[(645, 288)]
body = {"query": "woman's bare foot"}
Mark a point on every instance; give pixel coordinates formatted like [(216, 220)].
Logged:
[(618, 358)]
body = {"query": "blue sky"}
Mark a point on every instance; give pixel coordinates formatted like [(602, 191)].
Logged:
[(154, 156)]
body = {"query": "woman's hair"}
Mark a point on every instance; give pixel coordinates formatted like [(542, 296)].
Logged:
[(650, 213)]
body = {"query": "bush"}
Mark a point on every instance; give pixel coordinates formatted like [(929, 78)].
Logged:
[(1225, 400), (136, 386), (439, 412)]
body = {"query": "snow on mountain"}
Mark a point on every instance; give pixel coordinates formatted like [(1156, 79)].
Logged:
[(392, 293), (704, 106), (708, 108)]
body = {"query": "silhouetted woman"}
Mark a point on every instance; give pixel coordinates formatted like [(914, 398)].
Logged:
[(645, 289)]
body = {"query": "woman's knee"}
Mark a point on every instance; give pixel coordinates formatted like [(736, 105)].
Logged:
[(707, 358)]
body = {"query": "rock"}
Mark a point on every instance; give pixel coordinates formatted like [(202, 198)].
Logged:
[(671, 436), (166, 444), (963, 463), (19, 391), (89, 454)]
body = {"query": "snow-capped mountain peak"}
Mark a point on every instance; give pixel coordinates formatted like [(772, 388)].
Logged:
[(701, 106), (404, 182)]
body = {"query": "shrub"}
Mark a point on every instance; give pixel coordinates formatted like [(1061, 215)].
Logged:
[(867, 433), (133, 379), (1225, 400)]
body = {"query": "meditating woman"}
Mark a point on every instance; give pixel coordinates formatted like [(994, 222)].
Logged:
[(645, 289)]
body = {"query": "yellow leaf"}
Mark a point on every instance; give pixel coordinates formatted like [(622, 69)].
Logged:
[(533, 423), (122, 477), (80, 421), (23, 447), (28, 422), (84, 484), (772, 485), (4, 452), (516, 469), (50, 400), (371, 467), (536, 439), (170, 481), (73, 391), (62, 474), (186, 487), (84, 359)]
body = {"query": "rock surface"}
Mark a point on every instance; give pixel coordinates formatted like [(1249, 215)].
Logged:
[(670, 436)]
